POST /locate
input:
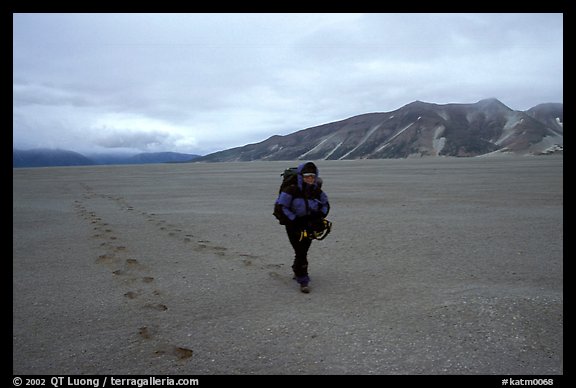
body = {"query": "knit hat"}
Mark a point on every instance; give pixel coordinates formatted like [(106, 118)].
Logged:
[(309, 168)]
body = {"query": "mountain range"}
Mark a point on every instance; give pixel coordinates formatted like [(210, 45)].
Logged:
[(45, 157), (418, 129)]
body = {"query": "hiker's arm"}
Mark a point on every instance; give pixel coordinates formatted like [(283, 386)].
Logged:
[(285, 200), (325, 204)]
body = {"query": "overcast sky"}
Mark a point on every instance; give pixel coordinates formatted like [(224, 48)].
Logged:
[(200, 83)]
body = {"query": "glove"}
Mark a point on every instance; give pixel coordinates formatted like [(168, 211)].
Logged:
[(318, 229), (316, 224)]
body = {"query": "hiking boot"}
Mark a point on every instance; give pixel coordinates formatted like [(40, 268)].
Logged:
[(303, 281)]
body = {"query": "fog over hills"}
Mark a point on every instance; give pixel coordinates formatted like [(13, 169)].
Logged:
[(418, 129)]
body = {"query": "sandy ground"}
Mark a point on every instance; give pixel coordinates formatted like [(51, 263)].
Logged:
[(434, 266)]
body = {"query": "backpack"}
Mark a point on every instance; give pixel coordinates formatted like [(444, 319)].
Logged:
[(290, 177)]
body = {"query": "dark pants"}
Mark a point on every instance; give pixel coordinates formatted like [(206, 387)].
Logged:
[(300, 266)]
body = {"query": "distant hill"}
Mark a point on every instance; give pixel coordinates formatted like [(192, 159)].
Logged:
[(416, 130), (43, 157)]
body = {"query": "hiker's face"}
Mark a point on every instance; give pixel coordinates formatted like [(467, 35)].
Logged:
[(310, 179)]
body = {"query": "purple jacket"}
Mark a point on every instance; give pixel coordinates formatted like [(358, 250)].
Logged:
[(294, 204)]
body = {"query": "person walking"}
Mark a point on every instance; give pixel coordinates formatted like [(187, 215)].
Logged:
[(305, 206)]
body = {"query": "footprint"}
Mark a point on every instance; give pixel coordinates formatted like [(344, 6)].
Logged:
[(146, 332), (178, 351), (106, 259), (182, 353), (248, 256), (131, 295), (278, 266), (156, 306), (132, 263)]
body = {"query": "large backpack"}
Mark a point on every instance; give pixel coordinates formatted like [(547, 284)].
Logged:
[(289, 177)]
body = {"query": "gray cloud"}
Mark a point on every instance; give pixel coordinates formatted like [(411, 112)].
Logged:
[(131, 139), (204, 82)]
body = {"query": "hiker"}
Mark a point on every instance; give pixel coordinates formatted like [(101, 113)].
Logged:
[(305, 205)]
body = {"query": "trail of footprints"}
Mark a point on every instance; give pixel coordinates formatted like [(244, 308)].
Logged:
[(134, 274), (174, 231)]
